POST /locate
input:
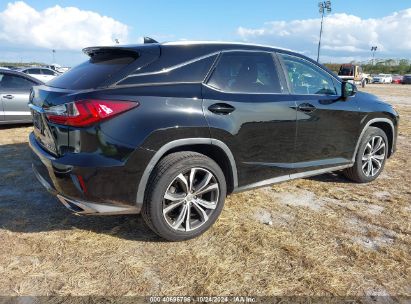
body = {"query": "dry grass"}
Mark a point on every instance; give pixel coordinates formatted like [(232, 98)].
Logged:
[(317, 236)]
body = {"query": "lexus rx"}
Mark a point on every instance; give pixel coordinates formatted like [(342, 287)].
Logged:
[(170, 129)]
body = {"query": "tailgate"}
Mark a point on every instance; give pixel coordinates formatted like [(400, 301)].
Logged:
[(52, 138), (41, 130)]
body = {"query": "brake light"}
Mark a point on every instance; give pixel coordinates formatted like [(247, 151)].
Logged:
[(84, 113)]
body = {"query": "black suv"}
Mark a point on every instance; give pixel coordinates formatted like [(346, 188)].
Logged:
[(170, 129)]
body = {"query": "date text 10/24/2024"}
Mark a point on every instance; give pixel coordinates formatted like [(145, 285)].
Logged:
[(202, 299)]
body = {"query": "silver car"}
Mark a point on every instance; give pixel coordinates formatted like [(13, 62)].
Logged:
[(14, 96)]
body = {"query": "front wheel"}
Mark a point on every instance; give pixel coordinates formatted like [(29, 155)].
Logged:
[(185, 196), (371, 156)]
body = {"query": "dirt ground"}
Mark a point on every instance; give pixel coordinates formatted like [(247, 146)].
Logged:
[(317, 236)]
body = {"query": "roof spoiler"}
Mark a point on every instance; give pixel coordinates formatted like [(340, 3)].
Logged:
[(91, 51), (130, 49)]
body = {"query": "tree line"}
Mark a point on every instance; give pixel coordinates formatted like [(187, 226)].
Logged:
[(389, 66), (20, 64)]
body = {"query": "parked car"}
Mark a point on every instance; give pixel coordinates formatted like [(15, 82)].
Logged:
[(372, 77), (170, 129), (57, 68), (382, 78), (397, 79), (406, 79), (14, 96), (43, 74), (9, 67)]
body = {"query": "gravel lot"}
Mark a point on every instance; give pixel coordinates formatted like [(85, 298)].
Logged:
[(317, 236)]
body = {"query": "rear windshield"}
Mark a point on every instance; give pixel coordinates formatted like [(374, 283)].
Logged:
[(92, 73)]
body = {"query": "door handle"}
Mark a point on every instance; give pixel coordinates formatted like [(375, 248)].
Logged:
[(306, 108), (8, 96), (221, 108)]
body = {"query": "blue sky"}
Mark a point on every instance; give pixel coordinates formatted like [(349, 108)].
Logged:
[(258, 21)]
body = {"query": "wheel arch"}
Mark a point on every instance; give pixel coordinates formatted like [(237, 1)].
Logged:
[(213, 148), (384, 124)]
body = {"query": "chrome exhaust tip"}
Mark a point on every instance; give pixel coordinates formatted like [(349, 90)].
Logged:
[(82, 207)]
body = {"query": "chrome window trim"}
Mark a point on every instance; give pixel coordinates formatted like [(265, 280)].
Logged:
[(273, 52), (185, 63), (245, 93), (254, 93), (177, 66), (149, 84)]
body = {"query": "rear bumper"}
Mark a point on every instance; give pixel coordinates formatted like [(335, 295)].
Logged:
[(98, 189), (84, 207)]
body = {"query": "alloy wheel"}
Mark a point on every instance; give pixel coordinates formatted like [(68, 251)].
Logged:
[(373, 156), (190, 199)]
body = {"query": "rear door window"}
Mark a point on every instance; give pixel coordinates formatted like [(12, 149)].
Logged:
[(246, 72), (95, 71)]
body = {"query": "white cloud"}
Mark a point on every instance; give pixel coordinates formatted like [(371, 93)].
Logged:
[(58, 27), (343, 35)]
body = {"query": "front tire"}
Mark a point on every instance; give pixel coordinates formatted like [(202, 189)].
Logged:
[(185, 196), (371, 156)]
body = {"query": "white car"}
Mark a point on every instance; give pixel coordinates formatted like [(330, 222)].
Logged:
[(56, 67), (43, 74), (382, 78)]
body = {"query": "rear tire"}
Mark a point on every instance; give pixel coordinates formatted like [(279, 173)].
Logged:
[(185, 195), (371, 156)]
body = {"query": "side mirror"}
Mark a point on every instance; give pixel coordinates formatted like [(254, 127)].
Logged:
[(348, 89)]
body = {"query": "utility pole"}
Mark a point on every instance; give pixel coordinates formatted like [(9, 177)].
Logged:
[(53, 53), (373, 50), (323, 7)]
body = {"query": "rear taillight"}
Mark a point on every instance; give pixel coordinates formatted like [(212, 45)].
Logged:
[(84, 113)]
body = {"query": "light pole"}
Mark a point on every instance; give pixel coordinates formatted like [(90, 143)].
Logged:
[(323, 7), (373, 49)]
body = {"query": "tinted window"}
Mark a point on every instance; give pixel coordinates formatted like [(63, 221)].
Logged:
[(93, 72), (192, 72), (250, 72), (306, 78), (47, 72), (33, 71), (14, 83), (346, 71)]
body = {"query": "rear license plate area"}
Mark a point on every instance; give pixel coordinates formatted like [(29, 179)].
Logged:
[(38, 121)]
